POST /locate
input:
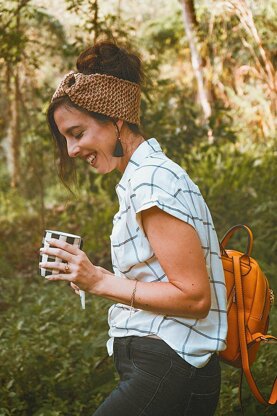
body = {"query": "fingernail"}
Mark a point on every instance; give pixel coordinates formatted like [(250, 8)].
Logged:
[(41, 264)]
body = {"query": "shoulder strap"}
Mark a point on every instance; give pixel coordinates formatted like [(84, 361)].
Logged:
[(242, 339)]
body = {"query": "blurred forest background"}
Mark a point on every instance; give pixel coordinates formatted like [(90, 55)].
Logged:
[(209, 98)]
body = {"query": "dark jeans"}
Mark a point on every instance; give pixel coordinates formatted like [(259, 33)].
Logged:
[(156, 381)]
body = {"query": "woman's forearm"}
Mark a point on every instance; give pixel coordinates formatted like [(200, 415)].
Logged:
[(159, 297)]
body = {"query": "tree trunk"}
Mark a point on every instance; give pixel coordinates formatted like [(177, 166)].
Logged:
[(190, 23), (118, 13), (95, 8), (13, 139), (14, 132)]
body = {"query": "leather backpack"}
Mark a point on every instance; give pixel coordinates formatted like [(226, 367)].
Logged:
[(249, 299)]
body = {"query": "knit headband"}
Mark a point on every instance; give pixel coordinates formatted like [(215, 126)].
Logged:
[(102, 94)]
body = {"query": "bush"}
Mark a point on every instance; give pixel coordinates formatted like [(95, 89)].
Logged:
[(52, 354)]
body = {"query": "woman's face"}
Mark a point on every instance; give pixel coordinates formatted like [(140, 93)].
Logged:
[(89, 139)]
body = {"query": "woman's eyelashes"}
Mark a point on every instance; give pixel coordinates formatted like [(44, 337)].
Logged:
[(79, 135)]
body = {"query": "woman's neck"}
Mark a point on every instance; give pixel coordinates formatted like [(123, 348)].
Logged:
[(130, 143)]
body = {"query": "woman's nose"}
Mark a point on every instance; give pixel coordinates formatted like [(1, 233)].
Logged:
[(73, 149)]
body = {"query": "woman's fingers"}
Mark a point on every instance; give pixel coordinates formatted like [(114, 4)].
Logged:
[(54, 265), (75, 288), (60, 276), (56, 252), (53, 242), (60, 249)]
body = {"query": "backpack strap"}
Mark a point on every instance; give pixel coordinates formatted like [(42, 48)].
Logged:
[(242, 339), (231, 232)]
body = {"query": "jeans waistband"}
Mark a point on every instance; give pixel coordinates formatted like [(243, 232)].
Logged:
[(154, 344)]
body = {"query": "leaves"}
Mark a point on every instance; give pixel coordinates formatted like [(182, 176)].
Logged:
[(49, 347)]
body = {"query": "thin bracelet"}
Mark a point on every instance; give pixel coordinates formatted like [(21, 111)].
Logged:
[(133, 298)]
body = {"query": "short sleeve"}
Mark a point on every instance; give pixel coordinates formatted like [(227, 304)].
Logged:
[(160, 186)]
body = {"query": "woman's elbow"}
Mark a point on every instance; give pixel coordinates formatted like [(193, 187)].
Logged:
[(200, 308), (203, 300), (203, 308), (194, 304), (195, 310)]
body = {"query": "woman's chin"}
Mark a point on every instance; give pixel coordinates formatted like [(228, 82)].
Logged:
[(103, 166), (102, 169)]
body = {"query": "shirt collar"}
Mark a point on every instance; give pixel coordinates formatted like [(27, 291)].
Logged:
[(145, 149)]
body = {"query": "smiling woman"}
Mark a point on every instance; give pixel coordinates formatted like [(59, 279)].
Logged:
[(169, 317), (107, 70)]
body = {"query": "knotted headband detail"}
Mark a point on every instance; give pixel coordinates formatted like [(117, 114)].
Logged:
[(104, 94)]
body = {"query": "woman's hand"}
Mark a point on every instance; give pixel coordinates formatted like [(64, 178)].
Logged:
[(78, 269)]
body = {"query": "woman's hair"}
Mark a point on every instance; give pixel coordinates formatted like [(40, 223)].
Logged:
[(104, 57)]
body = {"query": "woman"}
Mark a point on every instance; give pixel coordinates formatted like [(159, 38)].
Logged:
[(169, 317)]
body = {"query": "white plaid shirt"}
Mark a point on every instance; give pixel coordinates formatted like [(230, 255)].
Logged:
[(152, 179)]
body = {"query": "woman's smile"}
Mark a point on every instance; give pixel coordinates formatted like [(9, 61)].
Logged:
[(91, 159)]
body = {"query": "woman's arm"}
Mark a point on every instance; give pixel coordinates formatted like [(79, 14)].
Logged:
[(178, 249)]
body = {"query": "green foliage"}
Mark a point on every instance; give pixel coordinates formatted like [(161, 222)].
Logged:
[(238, 184), (165, 34), (52, 353), (17, 18), (22, 225)]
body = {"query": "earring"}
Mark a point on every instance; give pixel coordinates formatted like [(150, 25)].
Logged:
[(118, 151)]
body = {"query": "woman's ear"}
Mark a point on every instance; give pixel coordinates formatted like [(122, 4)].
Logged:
[(119, 124)]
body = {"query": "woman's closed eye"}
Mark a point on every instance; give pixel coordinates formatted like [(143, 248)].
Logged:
[(79, 135)]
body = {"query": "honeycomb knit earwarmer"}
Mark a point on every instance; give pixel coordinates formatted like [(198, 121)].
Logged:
[(104, 94)]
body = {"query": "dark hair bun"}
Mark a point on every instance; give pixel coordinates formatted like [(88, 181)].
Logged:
[(107, 58)]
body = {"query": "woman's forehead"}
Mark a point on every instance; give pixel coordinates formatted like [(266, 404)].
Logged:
[(66, 116)]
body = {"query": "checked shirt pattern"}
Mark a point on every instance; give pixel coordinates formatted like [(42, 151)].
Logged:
[(152, 179)]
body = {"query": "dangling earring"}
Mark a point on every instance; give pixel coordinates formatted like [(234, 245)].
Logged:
[(118, 151)]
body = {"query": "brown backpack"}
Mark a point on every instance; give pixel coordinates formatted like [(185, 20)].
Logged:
[(249, 299)]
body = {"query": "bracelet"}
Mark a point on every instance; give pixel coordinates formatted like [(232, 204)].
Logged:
[(133, 298)]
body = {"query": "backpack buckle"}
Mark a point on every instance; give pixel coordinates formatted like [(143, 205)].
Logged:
[(272, 340), (271, 297)]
